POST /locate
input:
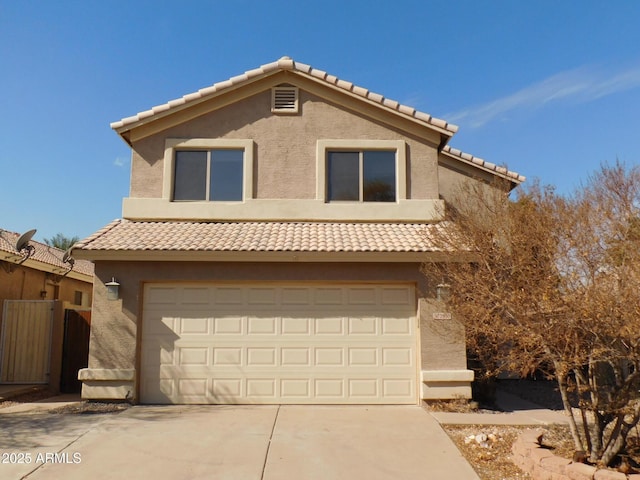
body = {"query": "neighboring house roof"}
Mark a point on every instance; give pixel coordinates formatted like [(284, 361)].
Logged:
[(45, 258), (480, 163), (288, 64), (276, 237)]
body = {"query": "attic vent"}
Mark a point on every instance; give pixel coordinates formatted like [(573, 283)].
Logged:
[(284, 100)]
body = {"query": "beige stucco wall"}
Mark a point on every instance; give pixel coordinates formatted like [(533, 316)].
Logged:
[(452, 174), (27, 283), (285, 146), (114, 326)]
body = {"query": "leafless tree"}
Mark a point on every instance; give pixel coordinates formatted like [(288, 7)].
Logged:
[(554, 284)]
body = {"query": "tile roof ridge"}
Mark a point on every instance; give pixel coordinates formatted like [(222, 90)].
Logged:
[(479, 162), (115, 223), (288, 63)]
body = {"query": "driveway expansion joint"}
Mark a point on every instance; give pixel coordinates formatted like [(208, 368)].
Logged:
[(273, 429)]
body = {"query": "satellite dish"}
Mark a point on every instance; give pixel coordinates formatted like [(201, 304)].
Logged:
[(23, 244), (25, 238), (67, 258)]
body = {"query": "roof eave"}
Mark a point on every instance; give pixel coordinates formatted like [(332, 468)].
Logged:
[(258, 256), (126, 125), (514, 178)]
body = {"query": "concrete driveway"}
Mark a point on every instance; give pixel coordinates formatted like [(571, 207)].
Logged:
[(231, 442)]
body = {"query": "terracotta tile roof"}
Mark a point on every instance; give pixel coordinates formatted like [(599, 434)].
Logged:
[(286, 63), (479, 162), (126, 235), (43, 253)]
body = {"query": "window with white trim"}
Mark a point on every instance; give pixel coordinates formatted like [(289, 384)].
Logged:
[(364, 175), (363, 171), (212, 170), (214, 175)]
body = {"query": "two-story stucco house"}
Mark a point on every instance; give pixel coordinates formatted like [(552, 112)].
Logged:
[(271, 246)]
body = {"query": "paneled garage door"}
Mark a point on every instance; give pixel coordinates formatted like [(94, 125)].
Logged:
[(277, 343)]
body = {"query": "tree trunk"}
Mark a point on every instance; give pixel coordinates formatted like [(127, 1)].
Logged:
[(618, 436), (562, 385)]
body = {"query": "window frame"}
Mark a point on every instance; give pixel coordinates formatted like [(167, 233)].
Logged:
[(206, 144), (325, 146)]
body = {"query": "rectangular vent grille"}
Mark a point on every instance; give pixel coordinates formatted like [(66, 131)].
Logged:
[(284, 100)]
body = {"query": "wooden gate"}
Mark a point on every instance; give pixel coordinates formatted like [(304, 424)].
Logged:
[(25, 343)]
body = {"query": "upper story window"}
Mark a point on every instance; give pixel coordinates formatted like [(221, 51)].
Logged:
[(203, 169), (214, 175), (361, 170), (365, 176)]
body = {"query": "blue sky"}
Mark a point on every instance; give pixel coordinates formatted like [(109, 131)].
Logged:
[(549, 88)]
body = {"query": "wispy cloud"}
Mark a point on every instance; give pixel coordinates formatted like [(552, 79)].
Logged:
[(580, 85), (120, 162)]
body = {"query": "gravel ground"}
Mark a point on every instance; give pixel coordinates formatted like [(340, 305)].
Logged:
[(488, 448), (32, 396), (74, 408)]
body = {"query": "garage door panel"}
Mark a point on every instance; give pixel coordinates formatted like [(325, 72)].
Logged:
[(262, 326), (296, 326), (261, 357), (328, 296), (227, 388), (397, 357), (295, 356), (192, 387), (364, 389), (279, 344), (362, 295), (295, 388), (225, 296), (329, 357), (262, 296), (194, 356), (160, 324), (155, 295), (227, 356), (195, 326), (228, 326), (296, 296), (397, 296), (396, 326), (196, 296), (330, 326), (363, 357), (363, 326), (261, 388), (329, 388)]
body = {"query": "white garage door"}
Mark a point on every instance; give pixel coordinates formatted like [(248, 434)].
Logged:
[(277, 343)]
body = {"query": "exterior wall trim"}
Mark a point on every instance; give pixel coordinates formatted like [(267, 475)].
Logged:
[(106, 374), (446, 384), (291, 210)]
